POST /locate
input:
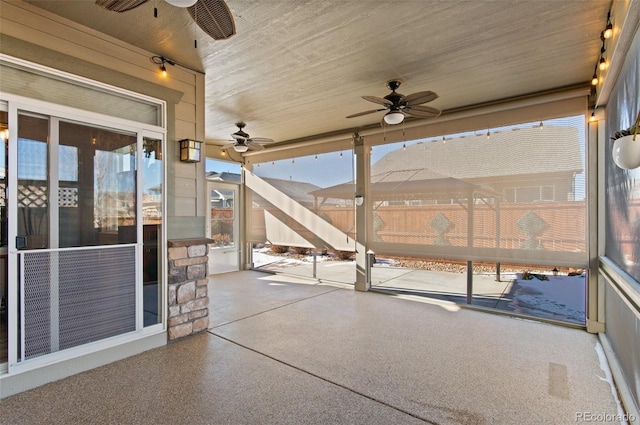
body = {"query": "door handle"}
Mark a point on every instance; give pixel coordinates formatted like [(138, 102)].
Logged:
[(21, 242)]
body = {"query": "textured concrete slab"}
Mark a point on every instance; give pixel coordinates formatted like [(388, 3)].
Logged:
[(234, 295), (444, 365), (291, 351), (198, 380)]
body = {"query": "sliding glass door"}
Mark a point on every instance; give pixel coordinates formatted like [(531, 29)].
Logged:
[(84, 210)]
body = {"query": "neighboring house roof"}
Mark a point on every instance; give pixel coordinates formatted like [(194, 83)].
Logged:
[(416, 186), (433, 169), (223, 176), (508, 153), (299, 191)]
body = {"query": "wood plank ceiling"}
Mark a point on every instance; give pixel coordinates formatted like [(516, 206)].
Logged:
[(296, 69)]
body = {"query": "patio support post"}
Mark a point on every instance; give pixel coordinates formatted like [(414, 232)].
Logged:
[(497, 201), (362, 174), (596, 226), (470, 205), (315, 262)]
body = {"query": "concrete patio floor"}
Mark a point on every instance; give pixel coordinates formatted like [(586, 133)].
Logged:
[(286, 350)]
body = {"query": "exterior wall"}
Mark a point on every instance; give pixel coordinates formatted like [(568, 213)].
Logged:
[(35, 35)]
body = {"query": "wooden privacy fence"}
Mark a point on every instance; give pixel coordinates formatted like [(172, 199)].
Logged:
[(551, 226), (557, 226)]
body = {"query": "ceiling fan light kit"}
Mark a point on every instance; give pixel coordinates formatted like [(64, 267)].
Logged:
[(399, 106), (181, 3), (394, 117), (240, 148)]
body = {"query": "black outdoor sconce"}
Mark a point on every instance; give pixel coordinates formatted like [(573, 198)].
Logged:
[(189, 150)]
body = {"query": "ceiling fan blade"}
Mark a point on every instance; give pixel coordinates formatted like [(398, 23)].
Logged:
[(214, 18), (378, 100), (260, 140), (359, 114), (255, 146), (421, 111), (120, 5), (419, 97), (227, 146)]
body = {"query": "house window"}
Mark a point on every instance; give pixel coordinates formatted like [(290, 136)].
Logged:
[(529, 194), (510, 194), (547, 193)]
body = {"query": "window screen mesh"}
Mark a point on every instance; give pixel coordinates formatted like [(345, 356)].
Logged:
[(74, 297), (290, 206), (514, 193), (622, 187)]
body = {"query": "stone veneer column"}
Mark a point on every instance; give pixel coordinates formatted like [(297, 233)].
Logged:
[(188, 292)]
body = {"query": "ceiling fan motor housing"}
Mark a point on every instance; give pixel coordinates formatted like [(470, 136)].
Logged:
[(394, 97), (393, 85)]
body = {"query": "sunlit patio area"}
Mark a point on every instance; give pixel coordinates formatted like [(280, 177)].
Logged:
[(556, 297)]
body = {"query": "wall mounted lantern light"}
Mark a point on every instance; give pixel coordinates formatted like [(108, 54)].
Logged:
[(189, 150)]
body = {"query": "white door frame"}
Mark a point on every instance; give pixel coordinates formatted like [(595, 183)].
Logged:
[(224, 259)]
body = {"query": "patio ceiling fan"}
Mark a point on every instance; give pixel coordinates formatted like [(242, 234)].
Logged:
[(243, 142), (212, 16), (398, 105)]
